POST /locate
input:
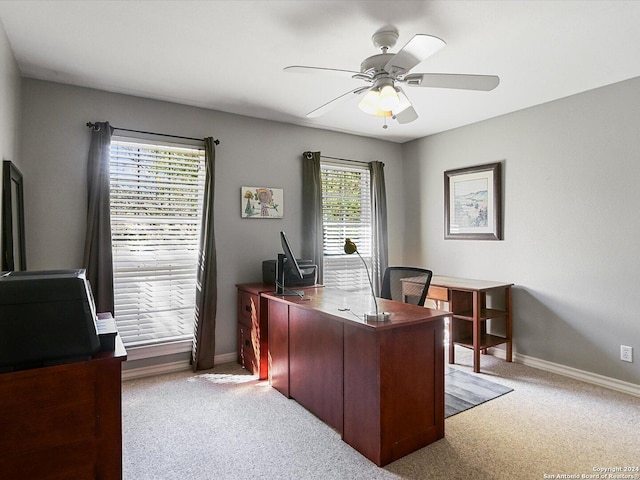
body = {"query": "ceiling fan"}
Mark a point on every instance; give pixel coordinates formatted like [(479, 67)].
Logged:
[(385, 71)]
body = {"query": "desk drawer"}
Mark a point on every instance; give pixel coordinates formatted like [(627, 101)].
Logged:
[(248, 308), (438, 293)]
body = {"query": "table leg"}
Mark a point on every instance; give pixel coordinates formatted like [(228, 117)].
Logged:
[(477, 308), (509, 327), (452, 347)]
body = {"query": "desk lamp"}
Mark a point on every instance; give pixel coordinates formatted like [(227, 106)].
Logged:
[(350, 248)]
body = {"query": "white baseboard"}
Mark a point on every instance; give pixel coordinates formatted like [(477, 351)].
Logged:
[(225, 358), (172, 367), (152, 370), (588, 377)]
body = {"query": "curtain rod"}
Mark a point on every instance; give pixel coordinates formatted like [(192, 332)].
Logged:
[(93, 125), (345, 160)]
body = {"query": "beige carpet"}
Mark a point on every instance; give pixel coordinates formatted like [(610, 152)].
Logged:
[(224, 424)]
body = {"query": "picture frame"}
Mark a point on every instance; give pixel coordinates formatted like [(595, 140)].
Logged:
[(473, 202), (262, 202), (13, 238)]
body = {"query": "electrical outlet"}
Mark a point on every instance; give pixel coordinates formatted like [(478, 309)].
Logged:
[(626, 353)]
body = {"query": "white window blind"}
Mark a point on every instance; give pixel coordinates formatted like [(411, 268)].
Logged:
[(156, 209), (346, 213)]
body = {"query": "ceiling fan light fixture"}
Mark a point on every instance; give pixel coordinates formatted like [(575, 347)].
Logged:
[(389, 99), (369, 103)]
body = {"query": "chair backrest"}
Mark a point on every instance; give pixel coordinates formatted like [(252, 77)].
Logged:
[(392, 285)]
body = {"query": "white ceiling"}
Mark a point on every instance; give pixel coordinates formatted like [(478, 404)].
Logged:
[(230, 55)]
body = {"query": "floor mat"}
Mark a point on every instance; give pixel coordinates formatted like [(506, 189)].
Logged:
[(463, 391)]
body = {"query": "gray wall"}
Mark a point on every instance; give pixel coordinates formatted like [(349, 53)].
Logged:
[(571, 223), (10, 101), (570, 169), (252, 152)]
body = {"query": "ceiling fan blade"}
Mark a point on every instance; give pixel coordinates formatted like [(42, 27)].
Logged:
[(336, 101), (331, 71), (452, 80), (404, 112), (407, 115), (416, 50)]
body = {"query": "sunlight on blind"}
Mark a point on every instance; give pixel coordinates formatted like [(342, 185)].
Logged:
[(156, 208), (346, 213)]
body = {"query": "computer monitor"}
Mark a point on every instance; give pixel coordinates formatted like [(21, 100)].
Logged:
[(292, 263)]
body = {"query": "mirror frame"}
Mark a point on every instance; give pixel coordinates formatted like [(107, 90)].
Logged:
[(13, 238)]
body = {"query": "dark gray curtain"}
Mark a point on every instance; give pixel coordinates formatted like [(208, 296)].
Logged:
[(380, 242), (312, 243), (204, 337), (98, 258)]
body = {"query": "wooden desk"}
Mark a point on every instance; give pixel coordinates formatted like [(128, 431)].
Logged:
[(467, 301), (63, 421), (381, 385)]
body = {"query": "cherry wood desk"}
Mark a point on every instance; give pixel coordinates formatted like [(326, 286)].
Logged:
[(63, 421), (470, 311), (381, 385)]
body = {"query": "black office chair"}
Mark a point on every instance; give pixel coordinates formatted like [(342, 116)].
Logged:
[(392, 285)]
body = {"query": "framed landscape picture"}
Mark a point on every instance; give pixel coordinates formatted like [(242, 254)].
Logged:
[(473, 203)]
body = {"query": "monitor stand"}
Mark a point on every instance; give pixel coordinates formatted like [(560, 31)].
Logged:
[(291, 293), (280, 288)]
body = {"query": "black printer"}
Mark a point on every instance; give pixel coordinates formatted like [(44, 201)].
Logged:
[(46, 318)]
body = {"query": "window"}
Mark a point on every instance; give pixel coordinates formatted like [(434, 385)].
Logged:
[(156, 210), (346, 213)]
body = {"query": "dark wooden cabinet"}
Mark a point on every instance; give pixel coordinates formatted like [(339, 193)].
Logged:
[(253, 328), (63, 421)]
